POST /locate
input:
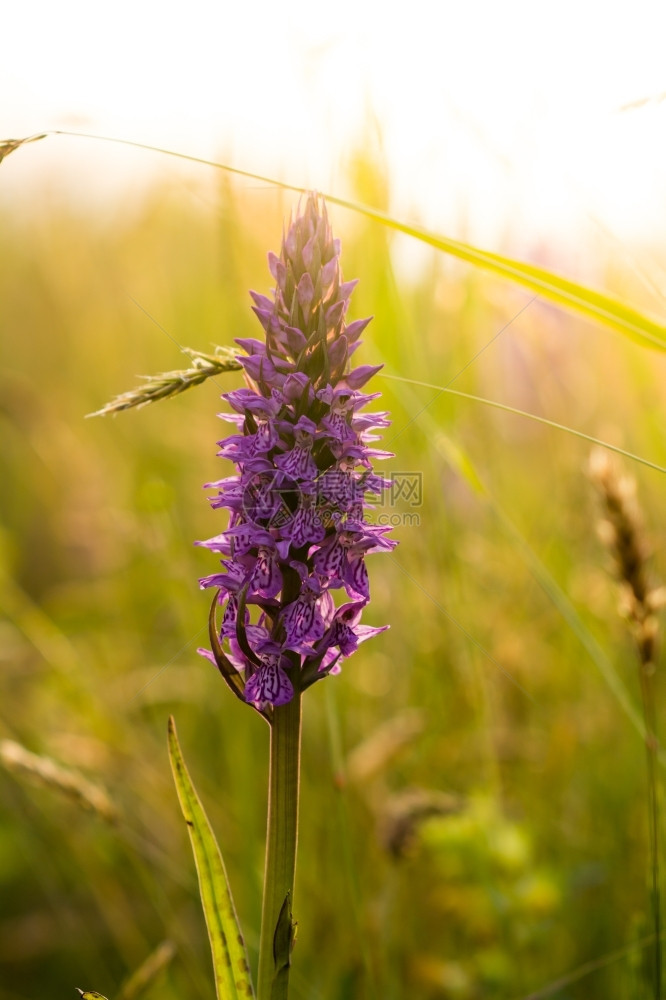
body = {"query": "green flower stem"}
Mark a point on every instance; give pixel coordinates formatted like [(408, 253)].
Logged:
[(276, 923)]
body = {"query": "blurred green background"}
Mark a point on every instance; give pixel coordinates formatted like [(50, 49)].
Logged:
[(473, 818)]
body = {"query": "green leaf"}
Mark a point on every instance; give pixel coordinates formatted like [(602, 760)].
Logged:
[(283, 939), (89, 995), (230, 964)]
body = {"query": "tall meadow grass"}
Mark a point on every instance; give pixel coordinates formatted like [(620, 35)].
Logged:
[(497, 839)]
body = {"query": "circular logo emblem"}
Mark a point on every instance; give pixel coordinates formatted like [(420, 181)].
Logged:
[(271, 499)]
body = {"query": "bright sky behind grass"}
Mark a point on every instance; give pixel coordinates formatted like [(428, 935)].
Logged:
[(493, 116)]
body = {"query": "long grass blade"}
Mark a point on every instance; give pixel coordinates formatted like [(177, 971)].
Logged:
[(530, 416), (232, 971), (588, 301), (464, 465), (567, 610)]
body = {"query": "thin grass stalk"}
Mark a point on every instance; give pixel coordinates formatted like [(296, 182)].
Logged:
[(622, 531), (348, 863), (646, 672), (277, 928), (43, 770)]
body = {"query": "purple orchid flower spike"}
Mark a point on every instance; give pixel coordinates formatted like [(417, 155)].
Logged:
[(297, 505)]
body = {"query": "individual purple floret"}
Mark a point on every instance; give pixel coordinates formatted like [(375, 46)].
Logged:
[(297, 528)]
